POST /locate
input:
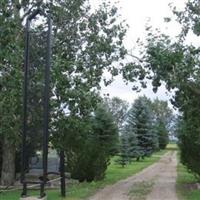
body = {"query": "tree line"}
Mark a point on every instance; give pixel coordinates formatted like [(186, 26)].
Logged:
[(86, 43), (175, 61), (146, 129), (91, 141)]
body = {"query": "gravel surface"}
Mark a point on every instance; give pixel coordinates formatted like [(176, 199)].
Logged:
[(163, 174)]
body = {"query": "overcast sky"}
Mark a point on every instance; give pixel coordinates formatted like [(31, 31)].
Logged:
[(137, 13)]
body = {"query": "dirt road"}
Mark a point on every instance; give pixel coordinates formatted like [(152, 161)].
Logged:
[(162, 175)]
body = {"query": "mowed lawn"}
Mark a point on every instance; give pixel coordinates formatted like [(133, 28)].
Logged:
[(187, 184), (79, 191)]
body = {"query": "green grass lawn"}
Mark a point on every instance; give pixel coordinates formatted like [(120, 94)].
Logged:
[(186, 184), (79, 191), (172, 146)]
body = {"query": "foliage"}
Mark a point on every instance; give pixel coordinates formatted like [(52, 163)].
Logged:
[(118, 108), (186, 184), (175, 61), (163, 121), (124, 156), (163, 138), (94, 146), (0, 157), (11, 54), (189, 137), (161, 111), (139, 124), (85, 44)]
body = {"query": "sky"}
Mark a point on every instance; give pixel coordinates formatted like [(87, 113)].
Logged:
[(137, 13)]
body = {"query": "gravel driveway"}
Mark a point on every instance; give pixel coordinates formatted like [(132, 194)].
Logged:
[(163, 174)]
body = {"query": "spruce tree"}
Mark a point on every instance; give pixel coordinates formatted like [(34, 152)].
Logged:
[(124, 151), (133, 150), (162, 133), (139, 119), (128, 146), (89, 160)]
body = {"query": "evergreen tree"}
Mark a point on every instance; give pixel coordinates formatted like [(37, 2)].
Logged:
[(162, 117), (124, 150), (139, 119), (162, 133), (89, 160), (133, 150)]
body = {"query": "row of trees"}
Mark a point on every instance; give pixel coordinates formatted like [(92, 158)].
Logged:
[(176, 61), (92, 140), (146, 129)]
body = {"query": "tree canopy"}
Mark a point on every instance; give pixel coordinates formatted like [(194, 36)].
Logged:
[(85, 43), (175, 61)]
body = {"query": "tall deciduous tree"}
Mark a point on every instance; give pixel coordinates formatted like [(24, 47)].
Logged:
[(118, 108), (11, 54), (85, 44)]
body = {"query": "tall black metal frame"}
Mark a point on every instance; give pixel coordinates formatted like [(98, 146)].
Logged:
[(46, 105), (45, 116)]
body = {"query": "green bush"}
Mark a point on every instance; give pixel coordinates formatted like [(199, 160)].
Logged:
[(95, 140)]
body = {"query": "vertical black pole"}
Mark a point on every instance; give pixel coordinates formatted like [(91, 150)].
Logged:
[(62, 173), (25, 93), (46, 105), (42, 193)]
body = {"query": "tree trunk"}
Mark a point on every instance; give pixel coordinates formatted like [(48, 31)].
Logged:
[(8, 163)]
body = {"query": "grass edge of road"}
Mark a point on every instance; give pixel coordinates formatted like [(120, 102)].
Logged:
[(80, 191), (186, 183)]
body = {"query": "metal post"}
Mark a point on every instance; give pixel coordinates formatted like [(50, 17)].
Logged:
[(25, 93), (46, 105), (62, 173), (42, 193), (24, 191)]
